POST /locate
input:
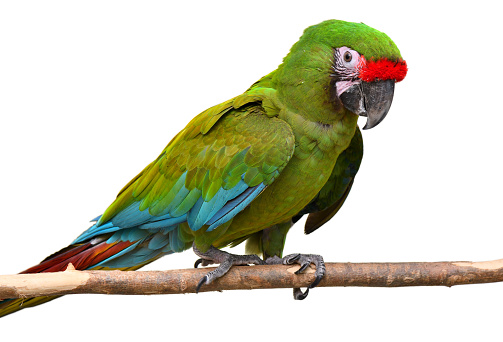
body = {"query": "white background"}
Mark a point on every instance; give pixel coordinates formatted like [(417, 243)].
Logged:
[(91, 92)]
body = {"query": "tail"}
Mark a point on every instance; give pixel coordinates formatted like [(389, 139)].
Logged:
[(128, 249)]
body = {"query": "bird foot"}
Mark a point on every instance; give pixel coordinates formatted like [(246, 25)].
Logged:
[(226, 260), (304, 260)]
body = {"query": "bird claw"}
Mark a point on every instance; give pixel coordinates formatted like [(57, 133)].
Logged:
[(203, 262), (299, 295), (201, 282), (225, 261), (304, 260)]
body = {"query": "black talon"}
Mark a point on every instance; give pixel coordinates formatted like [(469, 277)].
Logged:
[(201, 282), (198, 262), (302, 268), (316, 282), (299, 295)]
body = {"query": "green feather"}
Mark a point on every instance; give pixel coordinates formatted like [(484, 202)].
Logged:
[(253, 136)]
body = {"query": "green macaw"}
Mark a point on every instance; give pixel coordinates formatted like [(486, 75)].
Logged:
[(248, 168)]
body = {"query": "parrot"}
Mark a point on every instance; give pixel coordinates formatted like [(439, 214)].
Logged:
[(246, 170)]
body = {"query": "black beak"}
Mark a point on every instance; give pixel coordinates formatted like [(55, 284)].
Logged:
[(370, 99)]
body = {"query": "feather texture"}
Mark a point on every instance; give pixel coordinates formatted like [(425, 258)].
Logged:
[(244, 169)]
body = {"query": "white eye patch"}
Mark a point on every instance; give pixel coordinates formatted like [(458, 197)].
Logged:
[(342, 54)]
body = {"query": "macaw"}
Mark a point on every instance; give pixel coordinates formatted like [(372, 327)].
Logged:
[(247, 169)]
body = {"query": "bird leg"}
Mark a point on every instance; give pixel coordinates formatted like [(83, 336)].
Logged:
[(304, 260), (226, 260)]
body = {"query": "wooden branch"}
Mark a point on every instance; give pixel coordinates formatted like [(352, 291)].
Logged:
[(255, 277)]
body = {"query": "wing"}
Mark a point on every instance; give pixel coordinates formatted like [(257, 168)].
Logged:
[(208, 173), (333, 194)]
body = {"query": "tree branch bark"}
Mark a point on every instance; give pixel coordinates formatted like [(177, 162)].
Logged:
[(256, 277)]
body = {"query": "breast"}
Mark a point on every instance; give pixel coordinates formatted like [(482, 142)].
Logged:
[(317, 147), (297, 185)]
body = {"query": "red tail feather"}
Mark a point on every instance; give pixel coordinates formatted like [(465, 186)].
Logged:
[(81, 256)]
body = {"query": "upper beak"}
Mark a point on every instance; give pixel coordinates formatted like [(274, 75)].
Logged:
[(370, 99)]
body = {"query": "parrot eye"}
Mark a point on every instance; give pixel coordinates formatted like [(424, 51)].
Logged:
[(348, 56)]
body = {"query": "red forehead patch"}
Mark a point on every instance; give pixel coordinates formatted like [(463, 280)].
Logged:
[(382, 69)]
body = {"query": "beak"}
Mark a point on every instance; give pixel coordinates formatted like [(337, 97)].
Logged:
[(370, 99)]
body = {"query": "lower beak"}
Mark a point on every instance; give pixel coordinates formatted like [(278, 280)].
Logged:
[(370, 99)]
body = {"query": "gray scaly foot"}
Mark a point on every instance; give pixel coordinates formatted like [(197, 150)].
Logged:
[(304, 260), (226, 260)]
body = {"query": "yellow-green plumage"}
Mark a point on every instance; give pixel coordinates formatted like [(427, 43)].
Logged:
[(245, 169), (285, 133)]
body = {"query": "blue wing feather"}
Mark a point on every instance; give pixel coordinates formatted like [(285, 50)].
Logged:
[(233, 207), (160, 232)]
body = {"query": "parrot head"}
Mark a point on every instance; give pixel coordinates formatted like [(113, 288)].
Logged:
[(343, 66), (366, 87)]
